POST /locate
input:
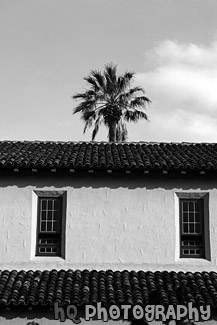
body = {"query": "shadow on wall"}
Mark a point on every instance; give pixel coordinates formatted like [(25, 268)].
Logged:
[(100, 179)]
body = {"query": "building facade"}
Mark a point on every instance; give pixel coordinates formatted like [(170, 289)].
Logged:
[(82, 223)]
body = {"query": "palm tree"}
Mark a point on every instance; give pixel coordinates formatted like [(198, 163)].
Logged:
[(110, 100)]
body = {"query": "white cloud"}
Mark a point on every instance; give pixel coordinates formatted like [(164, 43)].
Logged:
[(182, 83), (169, 52)]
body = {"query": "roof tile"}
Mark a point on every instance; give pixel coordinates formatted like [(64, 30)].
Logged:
[(109, 287), (126, 156)]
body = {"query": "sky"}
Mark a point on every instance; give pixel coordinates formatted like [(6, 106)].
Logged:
[(47, 47)]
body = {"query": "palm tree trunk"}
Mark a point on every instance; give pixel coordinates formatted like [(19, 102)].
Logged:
[(112, 133)]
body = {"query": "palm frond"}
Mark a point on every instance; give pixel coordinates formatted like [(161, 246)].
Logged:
[(110, 75), (84, 106), (134, 116), (88, 115), (124, 81), (92, 82), (122, 84), (88, 124), (140, 101), (129, 75), (79, 96), (127, 96), (88, 94), (95, 131), (134, 90), (99, 78), (111, 72), (96, 127), (90, 102)]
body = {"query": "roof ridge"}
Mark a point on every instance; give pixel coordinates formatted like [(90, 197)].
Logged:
[(106, 142)]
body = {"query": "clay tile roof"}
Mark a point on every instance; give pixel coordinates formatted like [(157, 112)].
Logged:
[(94, 155), (43, 288)]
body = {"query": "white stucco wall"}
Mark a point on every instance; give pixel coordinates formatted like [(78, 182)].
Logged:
[(117, 222)]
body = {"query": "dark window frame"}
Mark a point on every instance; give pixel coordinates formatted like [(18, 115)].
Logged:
[(205, 234), (59, 235), (192, 237)]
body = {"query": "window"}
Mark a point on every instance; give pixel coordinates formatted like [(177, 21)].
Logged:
[(50, 225), (194, 225), (192, 229)]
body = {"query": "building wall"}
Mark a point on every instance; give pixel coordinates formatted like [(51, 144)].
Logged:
[(112, 221)]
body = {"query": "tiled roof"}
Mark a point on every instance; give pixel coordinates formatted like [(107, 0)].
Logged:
[(93, 155), (36, 288)]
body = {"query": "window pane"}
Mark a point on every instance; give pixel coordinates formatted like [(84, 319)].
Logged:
[(44, 204), (191, 228), (191, 206), (49, 226), (197, 217), (43, 215), (191, 217), (185, 217), (55, 226), (55, 215), (197, 228), (49, 215), (197, 205), (56, 204), (43, 226), (50, 204), (185, 228), (185, 206)]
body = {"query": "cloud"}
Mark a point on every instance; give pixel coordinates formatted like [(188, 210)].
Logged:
[(170, 52), (182, 83)]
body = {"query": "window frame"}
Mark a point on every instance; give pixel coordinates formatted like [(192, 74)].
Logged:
[(61, 233), (192, 236), (205, 235)]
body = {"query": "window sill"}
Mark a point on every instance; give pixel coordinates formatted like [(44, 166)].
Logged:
[(48, 259), (192, 260)]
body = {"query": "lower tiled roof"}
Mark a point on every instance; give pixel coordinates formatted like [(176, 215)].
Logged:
[(93, 155), (31, 288)]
